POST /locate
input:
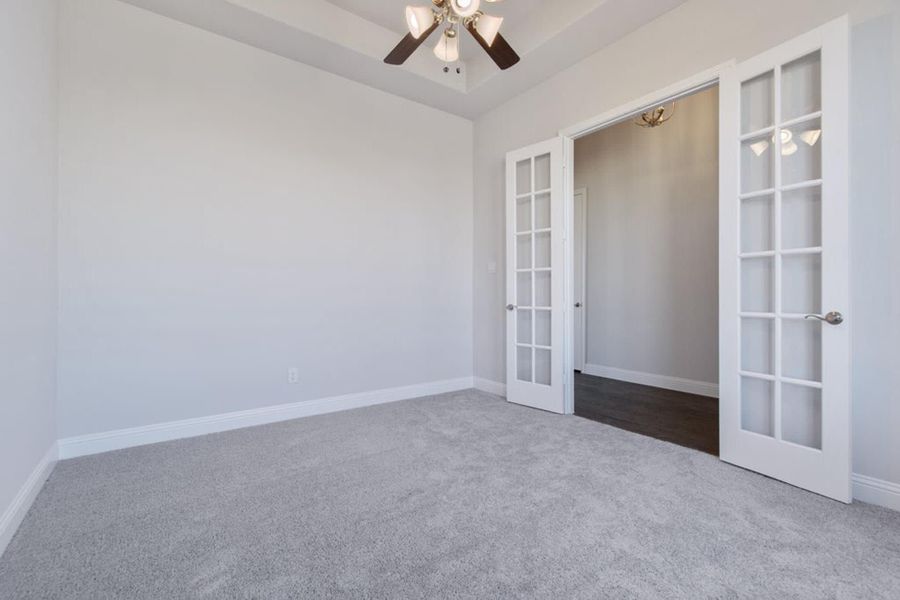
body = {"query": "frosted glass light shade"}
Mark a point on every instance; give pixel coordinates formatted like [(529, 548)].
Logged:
[(488, 27), (447, 48), (419, 19)]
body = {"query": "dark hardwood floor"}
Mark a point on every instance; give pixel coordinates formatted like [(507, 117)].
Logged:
[(684, 419)]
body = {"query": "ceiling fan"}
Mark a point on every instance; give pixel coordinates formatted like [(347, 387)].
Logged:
[(423, 20)]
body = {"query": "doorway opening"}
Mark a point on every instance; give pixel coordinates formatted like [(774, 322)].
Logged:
[(646, 279)]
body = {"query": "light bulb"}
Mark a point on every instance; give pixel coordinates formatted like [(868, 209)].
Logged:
[(465, 8)]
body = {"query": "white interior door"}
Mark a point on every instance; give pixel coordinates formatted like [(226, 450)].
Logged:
[(535, 277), (580, 279), (785, 399)]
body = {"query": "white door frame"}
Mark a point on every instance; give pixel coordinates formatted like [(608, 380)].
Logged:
[(685, 87), (581, 340)]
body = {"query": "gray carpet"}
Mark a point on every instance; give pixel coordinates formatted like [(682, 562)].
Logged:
[(459, 495)]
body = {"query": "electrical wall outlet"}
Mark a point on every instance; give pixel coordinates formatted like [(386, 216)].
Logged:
[(293, 375)]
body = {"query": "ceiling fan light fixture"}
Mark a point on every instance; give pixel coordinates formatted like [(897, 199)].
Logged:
[(460, 15), (488, 27), (465, 8), (419, 19), (447, 48)]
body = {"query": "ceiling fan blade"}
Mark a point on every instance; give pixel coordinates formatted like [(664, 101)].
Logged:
[(407, 46), (500, 51)]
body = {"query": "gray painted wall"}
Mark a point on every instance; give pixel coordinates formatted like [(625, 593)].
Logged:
[(652, 243), (28, 158), (227, 214)]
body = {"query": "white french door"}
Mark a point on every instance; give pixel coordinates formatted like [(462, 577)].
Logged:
[(784, 346), (535, 276)]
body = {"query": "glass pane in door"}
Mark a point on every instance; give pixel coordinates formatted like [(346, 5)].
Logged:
[(758, 345), (523, 214), (524, 369), (801, 218), (801, 152), (542, 173), (542, 250), (758, 103), (757, 406), (542, 366), (523, 290), (542, 327), (801, 87), (757, 285), (542, 289), (801, 287), (523, 251), (758, 224), (523, 326), (757, 170), (801, 415), (523, 177), (801, 349), (542, 211)]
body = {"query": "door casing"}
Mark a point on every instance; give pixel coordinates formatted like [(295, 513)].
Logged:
[(581, 277), (700, 81)]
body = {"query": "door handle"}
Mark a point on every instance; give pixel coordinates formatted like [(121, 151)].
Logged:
[(578, 305), (510, 307), (832, 318)]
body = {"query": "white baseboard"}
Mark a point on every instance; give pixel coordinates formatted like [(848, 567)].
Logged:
[(865, 488), (876, 491), (490, 386), (18, 508), (691, 386), (84, 445)]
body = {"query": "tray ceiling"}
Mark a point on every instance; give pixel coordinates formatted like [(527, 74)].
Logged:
[(351, 37)]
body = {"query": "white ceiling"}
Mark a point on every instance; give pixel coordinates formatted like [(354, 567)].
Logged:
[(351, 37)]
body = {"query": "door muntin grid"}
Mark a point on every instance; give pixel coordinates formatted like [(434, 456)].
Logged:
[(780, 253), (534, 275)]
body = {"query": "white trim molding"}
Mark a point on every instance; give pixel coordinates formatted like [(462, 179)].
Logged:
[(95, 443), (490, 386), (679, 384), (674, 91), (14, 513), (876, 491)]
